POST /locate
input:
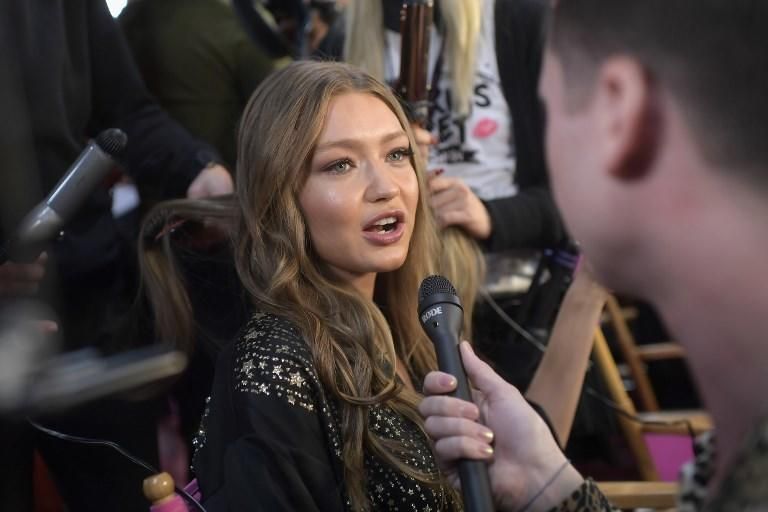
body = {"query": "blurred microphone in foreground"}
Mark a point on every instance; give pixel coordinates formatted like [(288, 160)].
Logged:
[(35, 380), (44, 223)]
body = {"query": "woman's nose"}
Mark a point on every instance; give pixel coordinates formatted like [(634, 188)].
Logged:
[(381, 184)]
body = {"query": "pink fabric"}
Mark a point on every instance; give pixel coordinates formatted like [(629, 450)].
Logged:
[(175, 504), (194, 490), (669, 452), (174, 456)]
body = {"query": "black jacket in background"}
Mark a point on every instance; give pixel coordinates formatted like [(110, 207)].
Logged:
[(529, 219), (72, 77)]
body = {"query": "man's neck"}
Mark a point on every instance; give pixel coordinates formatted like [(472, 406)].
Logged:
[(717, 307)]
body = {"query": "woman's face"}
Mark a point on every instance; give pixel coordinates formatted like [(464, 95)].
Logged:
[(361, 195)]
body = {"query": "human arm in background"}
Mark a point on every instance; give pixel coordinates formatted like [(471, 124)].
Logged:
[(455, 204), (452, 200), (159, 150), (529, 219)]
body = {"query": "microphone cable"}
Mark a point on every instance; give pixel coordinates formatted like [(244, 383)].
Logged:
[(519, 329), (122, 451)]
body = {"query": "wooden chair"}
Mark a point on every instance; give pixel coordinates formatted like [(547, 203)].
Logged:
[(637, 356), (674, 423), (632, 495), (159, 490)]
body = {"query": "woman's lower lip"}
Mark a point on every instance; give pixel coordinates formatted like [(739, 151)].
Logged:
[(385, 237)]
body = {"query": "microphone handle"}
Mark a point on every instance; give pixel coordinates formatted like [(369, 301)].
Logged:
[(475, 484)]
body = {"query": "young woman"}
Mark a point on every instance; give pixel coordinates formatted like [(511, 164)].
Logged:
[(314, 405)]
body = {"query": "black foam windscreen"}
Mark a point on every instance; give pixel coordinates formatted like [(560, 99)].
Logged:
[(112, 141), (433, 285)]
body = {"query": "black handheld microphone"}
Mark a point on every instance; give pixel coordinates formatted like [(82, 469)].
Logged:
[(441, 316), (45, 221)]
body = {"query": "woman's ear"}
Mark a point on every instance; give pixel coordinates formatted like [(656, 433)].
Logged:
[(627, 116)]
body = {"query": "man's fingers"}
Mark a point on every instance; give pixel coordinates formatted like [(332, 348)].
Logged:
[(460, 447), (442, 405), (439, 427)]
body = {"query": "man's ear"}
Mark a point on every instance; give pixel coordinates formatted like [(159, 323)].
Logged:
[(627, 117)]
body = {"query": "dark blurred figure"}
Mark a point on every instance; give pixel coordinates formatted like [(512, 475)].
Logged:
[(201, 66), (198, 62), (67, 76), (326, 29)]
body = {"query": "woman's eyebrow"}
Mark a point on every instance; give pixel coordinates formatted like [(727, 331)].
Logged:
[(355, 143)]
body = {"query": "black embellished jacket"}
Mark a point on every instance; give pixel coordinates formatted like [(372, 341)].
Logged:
[(270, 438)]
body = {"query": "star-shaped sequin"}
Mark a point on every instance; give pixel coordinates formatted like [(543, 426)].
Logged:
[(247, 367), (296, 379)]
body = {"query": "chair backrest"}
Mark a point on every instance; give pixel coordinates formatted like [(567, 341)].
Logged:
[(659, 441), (633, 431), (637, 356)]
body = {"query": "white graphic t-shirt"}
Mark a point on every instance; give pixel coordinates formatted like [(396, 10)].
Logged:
[(478, 148)]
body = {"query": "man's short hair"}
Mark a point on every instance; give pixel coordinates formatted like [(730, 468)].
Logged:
[(712, 55)]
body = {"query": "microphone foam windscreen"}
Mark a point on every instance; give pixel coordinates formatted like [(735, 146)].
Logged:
[(433, 285), (112, 141)]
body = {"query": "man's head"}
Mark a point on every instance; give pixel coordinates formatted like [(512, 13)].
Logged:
[(642, 95)]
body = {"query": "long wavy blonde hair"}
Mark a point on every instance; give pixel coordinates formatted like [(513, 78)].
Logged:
[(355, 342), (364, 42), (346, 332)]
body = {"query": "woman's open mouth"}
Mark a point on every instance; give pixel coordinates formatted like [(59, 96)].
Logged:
[(385, 229)]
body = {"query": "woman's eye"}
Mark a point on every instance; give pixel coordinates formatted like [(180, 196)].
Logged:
[(339, 166), (399, 155)]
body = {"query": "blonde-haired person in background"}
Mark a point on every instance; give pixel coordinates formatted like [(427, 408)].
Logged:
[(486, 122)]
